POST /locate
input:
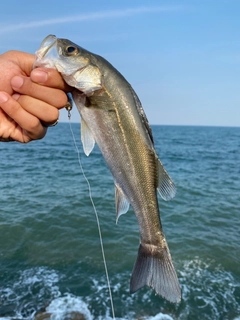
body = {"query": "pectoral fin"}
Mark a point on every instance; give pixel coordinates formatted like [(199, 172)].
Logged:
[(166, 187), (122, 203), (87, 138)]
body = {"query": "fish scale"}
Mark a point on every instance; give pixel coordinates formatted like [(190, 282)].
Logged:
[(113, 117)]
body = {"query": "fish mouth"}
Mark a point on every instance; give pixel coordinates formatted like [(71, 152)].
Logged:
[(47, 52)]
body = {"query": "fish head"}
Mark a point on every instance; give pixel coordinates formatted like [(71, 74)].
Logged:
[(60, 54), (72, 61)]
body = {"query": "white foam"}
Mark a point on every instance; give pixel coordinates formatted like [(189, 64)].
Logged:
[(42, 275), (61, 307), (210, 286), (40, 280), (160, 316)]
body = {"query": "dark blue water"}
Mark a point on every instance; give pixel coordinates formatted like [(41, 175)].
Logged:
[(50, 255)]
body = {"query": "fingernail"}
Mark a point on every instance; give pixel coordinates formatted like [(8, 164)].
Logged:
[(16, 96), (3, 97), (39, 76), (17, 82)]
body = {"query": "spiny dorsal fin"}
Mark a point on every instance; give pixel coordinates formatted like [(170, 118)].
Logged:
[(87, 138), (122, 203), (142, 114), (166, 186)]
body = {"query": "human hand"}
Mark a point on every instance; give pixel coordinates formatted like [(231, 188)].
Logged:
[(29, 99)]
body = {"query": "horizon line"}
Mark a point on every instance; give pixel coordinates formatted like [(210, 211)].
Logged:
[(173, 125)]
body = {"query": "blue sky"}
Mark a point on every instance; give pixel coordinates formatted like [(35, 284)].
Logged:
[(181, 57)]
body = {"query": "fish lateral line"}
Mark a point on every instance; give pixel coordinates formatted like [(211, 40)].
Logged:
[(87, 73)]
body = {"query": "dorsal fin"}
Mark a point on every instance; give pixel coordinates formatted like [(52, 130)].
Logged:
[(142, 114)]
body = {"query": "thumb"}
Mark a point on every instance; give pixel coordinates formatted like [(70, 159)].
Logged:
[(23, 60)]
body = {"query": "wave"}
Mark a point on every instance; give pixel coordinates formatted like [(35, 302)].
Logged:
[(208, 292)]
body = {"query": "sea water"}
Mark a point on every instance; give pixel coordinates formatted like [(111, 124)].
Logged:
[(50, 255)]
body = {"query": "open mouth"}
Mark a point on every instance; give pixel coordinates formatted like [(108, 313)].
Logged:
[(46, 45), (46, 53)]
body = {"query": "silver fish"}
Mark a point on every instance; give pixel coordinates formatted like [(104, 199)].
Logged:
[(112, 116)]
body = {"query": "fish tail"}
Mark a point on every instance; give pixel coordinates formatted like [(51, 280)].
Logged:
[(155, 269)]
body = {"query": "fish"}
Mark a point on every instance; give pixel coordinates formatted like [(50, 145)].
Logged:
[(112, 116)]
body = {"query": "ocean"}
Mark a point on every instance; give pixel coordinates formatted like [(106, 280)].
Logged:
[(50, 255)]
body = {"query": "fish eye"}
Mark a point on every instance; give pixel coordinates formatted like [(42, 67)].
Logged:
[(72, 50)]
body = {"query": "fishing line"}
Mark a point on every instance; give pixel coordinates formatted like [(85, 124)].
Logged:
[(96, 214)]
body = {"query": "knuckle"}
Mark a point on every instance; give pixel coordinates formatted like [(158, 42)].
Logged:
[(33, 126), (10, 53), (60, 99), (55, 114)]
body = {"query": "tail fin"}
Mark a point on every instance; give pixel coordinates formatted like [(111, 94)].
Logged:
[(156, 270)]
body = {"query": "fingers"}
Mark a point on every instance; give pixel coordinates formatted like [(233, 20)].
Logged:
[(50, 78), (21, 125), (33, 98), (22, 59), (52, 96), (45, 112)]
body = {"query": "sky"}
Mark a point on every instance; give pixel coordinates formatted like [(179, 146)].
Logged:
[(181, 57)]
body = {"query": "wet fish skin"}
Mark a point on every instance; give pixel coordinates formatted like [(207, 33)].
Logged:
[(112, 115)]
